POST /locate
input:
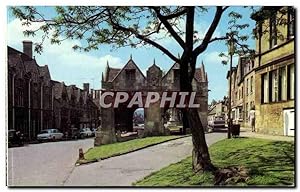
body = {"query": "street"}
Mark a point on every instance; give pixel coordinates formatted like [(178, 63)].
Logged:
[(45, 164), (53, 164)]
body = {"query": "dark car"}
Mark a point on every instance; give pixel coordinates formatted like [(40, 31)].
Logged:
[(73, 133), (15, 138)]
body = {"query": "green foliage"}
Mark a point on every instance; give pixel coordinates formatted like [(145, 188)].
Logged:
[(117, 26), (270, 163), (108, 150)]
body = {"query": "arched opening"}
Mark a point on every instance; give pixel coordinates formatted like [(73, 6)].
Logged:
[(138, 119), (175, 120), (128, 119)]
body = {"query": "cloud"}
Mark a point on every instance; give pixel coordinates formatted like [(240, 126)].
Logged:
[(212, 57), (64, 63)]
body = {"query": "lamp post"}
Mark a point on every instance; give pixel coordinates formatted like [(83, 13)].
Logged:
[(231, 50)]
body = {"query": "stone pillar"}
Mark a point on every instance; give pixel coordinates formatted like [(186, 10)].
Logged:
[(105, 134), (153, 120)]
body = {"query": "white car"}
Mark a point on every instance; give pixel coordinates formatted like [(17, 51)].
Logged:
[(86, 132), (49, 134)]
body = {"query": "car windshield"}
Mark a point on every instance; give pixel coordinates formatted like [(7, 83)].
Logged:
[(44, 131)]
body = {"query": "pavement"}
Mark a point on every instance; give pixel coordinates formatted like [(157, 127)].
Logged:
[(53, 163), (246, 132), (125, 169)]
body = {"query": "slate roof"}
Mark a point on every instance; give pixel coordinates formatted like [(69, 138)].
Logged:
[(58, 89), (112, 73), (44, 71)]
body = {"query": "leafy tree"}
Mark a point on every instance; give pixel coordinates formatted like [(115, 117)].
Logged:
[(141, 26)]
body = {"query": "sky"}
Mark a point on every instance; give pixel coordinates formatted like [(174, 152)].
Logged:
[(75, 67)]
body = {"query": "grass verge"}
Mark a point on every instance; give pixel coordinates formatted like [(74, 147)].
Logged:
[(269, 163), (115, 149)]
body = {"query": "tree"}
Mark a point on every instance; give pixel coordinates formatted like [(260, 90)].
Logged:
[(140, 26), (213, 102)]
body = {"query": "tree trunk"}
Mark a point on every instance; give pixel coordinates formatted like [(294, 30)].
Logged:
[(201, 158)]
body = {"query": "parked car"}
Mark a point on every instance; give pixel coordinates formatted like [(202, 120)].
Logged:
[(86, 132), (217, 122), (49, 134), (73, 133), (15, 138)]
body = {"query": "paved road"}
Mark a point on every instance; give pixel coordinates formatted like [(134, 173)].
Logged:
[(126, 169), (52, 164), (44, 164)]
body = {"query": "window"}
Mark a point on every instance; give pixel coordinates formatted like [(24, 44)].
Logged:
[(130, 74), (282, 84), (273, 31), (291, 23), (247, 87), (291, 81), (273, 81), (264, 88), (240, 113), (176, 75), (242, 92), (247, 111), (251, 84)]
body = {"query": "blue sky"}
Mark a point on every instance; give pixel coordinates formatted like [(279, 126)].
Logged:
[(75, 67)]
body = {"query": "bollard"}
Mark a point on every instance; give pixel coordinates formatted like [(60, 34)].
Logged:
[(81, 155)]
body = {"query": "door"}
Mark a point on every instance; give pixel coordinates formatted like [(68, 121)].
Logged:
[(289, 122)]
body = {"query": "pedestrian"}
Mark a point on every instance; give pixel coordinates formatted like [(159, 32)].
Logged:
[(252, 118)]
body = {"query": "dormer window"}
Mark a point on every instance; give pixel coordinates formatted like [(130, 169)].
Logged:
[(130, 74), (291, 23), (273, 31), (176, 74)]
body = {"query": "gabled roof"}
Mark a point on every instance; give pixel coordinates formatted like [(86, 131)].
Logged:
[(44, 71), (200, 74), (58, 88), (174, 66), (129, 62)]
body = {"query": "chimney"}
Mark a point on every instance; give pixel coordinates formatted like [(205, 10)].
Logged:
[(92, 93), (86, 87), (27, 48)]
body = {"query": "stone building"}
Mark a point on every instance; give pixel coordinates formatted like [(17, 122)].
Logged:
[(242, 90), (30, 106), (275, 70), (36, 102), (130, 79), (218, 109)]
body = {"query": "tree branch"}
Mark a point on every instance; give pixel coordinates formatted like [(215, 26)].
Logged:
[(210, 31), (174, 15), (168, 26), (217, 39), (142, 37)]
